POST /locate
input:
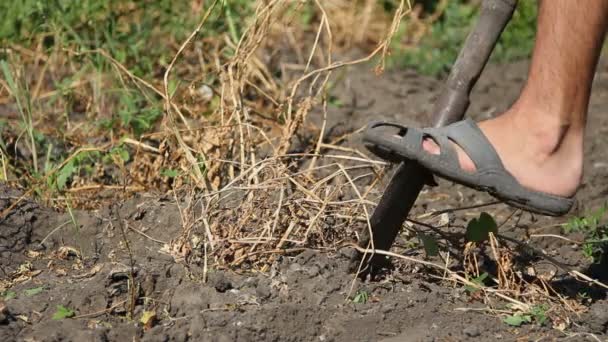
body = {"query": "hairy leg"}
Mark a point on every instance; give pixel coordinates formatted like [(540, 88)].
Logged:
[(540, 138)]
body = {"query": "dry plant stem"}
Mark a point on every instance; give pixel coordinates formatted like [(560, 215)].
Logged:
[(320, 212), (561, 265), (578, 335), (453, 210), (145, 235), (367, 221), (294, 123), (101, 312), (399, 14), (198, 175), (5, 212), (132, 288), (452, 274), (53, 231), (321, 134), (205, 220), (143, 146), (556, 237), (105, 187), (181, 49), (4, 161), (566, 268)]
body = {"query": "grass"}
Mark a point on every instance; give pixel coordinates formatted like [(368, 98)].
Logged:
[(85, 59), (435, 50)]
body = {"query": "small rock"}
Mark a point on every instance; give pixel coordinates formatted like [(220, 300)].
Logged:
[(250, 282), (305, 256), (471, 331), (387, 309), (205, 93), (295, 267), (122, 273), (148, 284), (220, 283), (313, 271), (262, 291)]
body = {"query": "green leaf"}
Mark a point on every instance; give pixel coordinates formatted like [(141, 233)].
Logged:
[(479, 281), (431, 248), (361, 297), (171, 173), (479, 229), (63, 312), (540, 314), (123, 153), (9, 295), (33, 291), (517, 320), (64, 174)]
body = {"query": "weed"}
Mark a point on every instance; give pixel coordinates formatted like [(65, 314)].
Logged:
[(9, 295), (135, 113), (170, 173), (479, 229), (361, 297), (595, 233), (479, 281), (33, 291), (63, 312), (82, 162), (431, 247), (537, 314), (21, 94)]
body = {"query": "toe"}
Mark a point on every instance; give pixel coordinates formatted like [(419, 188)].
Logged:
[(430, 146)]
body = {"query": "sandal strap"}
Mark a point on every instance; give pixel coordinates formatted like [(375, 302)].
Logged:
[(447, 152), (474, 143)]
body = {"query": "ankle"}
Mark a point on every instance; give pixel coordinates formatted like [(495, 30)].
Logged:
[(544, 134)]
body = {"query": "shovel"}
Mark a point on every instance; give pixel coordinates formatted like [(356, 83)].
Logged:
[(451, 105)]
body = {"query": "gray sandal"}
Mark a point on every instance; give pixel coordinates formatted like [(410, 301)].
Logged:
[(490, 175)]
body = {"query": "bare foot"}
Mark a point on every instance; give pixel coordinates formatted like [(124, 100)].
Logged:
[(541, 158)]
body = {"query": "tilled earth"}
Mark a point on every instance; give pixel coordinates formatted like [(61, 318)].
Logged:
[(88, 263)]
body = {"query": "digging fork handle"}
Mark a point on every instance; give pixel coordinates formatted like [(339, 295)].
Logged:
[(454, 98)]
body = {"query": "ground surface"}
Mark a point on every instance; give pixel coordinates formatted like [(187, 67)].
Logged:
[(87, 266)]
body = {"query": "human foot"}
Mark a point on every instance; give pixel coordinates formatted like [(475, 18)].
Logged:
[(542, 157)]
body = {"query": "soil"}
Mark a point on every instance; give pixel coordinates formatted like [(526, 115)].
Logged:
[(87, 262)]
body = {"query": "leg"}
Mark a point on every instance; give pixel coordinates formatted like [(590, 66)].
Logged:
[(540, 138)]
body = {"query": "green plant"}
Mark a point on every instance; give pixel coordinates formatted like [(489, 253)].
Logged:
[(594, 230), (82, 162), (537, 314), (479, 282), (33, 291), (361, 297), (479, 229), (63, 312), (431, 247), (21, 94), (137, 113), (437, 50), (169, 173), (9, 295)]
